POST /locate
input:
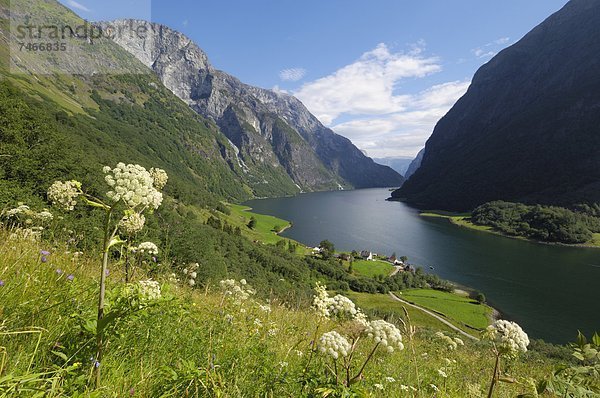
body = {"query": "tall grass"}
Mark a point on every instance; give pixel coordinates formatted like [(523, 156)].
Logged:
[(195, 343)]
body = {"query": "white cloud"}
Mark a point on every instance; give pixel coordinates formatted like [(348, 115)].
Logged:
[(383, 120), (403, 133), (367, 86), (292, 74), (78, 6), (485, 51), (278, 89)]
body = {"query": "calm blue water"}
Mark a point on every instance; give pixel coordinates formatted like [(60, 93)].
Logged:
[(551, 291)]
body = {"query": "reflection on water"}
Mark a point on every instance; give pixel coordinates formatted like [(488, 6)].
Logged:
[(550, 290)]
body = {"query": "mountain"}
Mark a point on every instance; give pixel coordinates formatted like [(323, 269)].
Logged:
[(415, 164), (64, 114), (399, 164), (276, 139), (527, 129)]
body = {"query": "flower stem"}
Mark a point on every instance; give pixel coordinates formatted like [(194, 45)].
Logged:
[(494, 376), (362, 369), (99, 328)]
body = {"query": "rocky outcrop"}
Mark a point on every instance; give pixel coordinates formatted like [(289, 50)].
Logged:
[(527, 129), (276, 137), (415, 164)]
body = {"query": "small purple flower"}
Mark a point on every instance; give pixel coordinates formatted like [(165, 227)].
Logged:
[(70, 277), (96, 364), (44, 259), (59, 271), (1, 283), (107, 272), (44, 252)]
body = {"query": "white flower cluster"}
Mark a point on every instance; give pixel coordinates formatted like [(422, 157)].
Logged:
[(64, 194), (132, 223), (149, 290), (337, 307), (508, 337), (160, 177), (449, 342), (23, 210), (147, 247), (334, 344), (386, 334), (137, 295), (132, 184), (191, 273), (237, 291)]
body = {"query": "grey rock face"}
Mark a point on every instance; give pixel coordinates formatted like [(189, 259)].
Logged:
[(276, 137)]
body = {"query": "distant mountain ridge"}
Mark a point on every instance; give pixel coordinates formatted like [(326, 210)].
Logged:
[(527, 129), (398, 163), (276, 139)]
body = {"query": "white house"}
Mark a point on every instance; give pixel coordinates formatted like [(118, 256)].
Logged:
[(366, 255)]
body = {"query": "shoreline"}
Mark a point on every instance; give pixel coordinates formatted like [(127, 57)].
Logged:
[(461, 222)]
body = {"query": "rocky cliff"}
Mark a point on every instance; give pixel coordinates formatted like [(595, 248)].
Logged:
[(277, 140), (528, 128)]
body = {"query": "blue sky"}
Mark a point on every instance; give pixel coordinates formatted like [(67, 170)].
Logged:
[(380, 72)]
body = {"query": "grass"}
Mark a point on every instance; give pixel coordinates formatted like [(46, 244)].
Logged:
[(463, 220), (193, 342), (386, 306), (266, 229), (372, 268), (460, 310)]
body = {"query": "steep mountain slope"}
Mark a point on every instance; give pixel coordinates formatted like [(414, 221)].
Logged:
[(63, 115), (273, 132), (528, 128), (415, 164), (400, 164)]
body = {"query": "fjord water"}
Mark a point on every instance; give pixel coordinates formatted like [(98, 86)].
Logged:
[(551, 291)]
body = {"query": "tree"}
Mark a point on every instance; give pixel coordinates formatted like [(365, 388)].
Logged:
[(252, 222), (327, 249), (480, 297), (404, 259)]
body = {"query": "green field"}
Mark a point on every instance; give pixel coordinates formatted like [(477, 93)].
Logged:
[(460, 310), (463, 220), (384, 305), (372, 268), (266, 227)]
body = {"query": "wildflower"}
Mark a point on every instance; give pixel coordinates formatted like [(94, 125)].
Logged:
[(229, 318), (160, 177), (458, 341), (17, 211), (59, 271), (390, 379), (386, 334), (508, 337), (334, 344), (132, 391), (44, 252), (147, 247), (193, 275), (149, 290), (1, 283), (298, 353), (321, 301), (434, 387), (257, 323), (265, 308), (442, 373), (44, 259), (450, 343), (44, 216), (132, 223), (132, 184), (283, 364), (107, 272), (191, 282), (70, 277), (272, 332), (237, 291), (64, 194), (378, 386), (403, 387)]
